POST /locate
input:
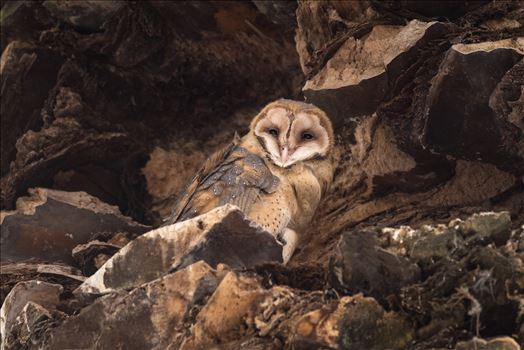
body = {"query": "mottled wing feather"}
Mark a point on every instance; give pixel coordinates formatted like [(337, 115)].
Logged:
[(212, 165), (231, 175)]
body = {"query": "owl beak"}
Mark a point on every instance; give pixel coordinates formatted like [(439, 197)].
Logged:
[(284, 154)]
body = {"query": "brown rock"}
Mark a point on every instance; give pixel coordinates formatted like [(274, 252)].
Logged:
[(225, 316), (86, 15), (355, 323), (222, 235), (358, 76), (464, 125), (324, 25), (499, 343), (28, 73), (12, 273), (41, 154), (50, 223), (154, 316), (29, 327), (92, 255), (46, 295)]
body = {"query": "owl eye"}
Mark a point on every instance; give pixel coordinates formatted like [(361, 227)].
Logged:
[(273, 132), (307, 136)]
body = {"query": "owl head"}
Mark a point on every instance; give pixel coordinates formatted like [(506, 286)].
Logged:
[(291, 131)]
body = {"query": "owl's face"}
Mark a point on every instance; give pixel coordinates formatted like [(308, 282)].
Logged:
[(291, 132)]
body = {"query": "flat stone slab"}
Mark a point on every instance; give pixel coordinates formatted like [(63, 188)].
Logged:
[(50, 223)]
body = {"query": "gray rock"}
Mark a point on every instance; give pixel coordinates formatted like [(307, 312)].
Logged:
[(358, 264), (222, 235), (436, 242), (488, 225)]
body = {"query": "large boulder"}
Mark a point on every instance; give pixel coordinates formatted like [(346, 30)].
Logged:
[(362, 72)]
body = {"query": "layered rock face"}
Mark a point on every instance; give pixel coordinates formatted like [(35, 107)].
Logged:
[(109, 108)]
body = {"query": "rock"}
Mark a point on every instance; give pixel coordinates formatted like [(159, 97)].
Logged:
[(499, 343), (484, 275), (92, 255), (436, 242), (222, 235), (225, 316), (429, 128), (507, 100), (279, 12), (398, 240), (46, 295), (28, 73), (359, 265), (41, 154), (488, 225), (464, 125), (85, 15), (50, 223), (23, 21), (11, 274), (521, 239), (29, 326), (441, 240), (155, 316), (241, 311), (358, 76), (323, 26), (355, 322)]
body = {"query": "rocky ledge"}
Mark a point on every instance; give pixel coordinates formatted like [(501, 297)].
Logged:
[(216, 281)]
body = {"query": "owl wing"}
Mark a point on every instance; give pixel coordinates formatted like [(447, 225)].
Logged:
[(231, 175)]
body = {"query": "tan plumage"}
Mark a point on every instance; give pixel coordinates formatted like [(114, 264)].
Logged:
[(276, 174)]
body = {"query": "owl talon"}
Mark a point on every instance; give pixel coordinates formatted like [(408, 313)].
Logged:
[(290, 239), (280, 239)]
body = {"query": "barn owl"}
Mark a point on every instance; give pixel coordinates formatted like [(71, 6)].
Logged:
[(276, 174)]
